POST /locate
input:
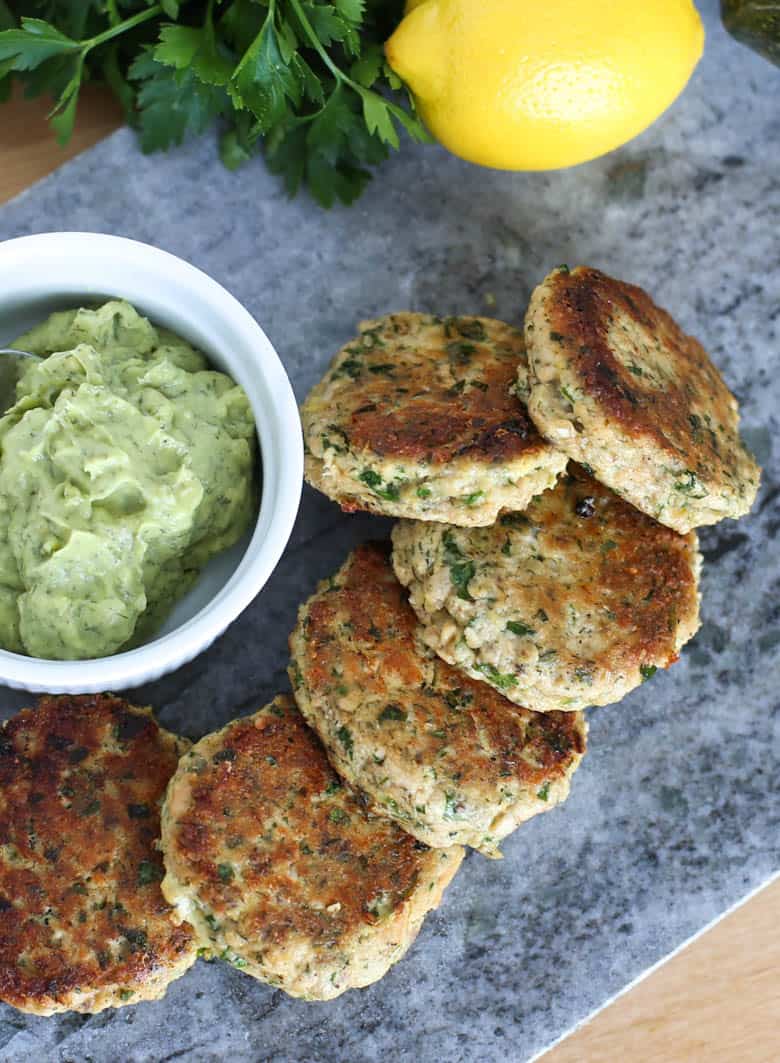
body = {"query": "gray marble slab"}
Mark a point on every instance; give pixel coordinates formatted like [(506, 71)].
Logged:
[(674, 814)]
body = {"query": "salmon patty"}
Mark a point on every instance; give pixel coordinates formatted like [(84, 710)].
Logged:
[(447, 757), (617, 385), (282, 870), (572, 603), (83, 922), (418, 417)]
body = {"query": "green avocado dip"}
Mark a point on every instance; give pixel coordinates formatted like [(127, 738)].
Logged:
[(125, 464)]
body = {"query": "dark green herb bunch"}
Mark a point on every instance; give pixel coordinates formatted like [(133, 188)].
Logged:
[(303, 81)]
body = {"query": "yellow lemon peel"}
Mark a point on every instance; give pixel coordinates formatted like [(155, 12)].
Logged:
[(522, 85)]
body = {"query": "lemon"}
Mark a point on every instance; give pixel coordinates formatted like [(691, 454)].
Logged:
[(542, 84)]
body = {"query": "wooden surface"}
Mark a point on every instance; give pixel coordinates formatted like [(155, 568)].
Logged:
[(28, 150), (719, 999)]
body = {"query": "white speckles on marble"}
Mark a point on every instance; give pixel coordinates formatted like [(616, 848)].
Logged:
[(674, 814)]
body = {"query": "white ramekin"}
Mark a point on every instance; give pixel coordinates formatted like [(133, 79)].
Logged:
[(53, 271)]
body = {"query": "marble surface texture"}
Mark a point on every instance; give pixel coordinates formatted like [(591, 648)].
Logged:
[(674, 814)]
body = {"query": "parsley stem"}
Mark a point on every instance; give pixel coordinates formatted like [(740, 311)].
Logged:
[(316, 44), (365, 94), (121, 27)]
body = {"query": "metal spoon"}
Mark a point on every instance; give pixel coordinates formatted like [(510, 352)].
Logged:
[(10, 367)]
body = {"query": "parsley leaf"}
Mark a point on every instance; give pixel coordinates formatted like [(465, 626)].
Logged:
[(461, 570), (369, 66), (263, 80), (193, 48), (502, 680), (390, 492), (172, 104), (35, 42), (351, 9), (149, 872), (378, 118), (344, 736), (304, 82), (391, 712), (225, 872), (332, 25)]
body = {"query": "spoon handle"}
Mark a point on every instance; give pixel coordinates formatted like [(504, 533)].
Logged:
[(9, 375)]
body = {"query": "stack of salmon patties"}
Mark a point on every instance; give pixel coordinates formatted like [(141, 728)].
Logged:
[(548, 483), (306, 843)]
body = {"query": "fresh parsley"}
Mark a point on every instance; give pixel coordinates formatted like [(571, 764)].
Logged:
[(452, 806), (502, 680), (461, 570), (689, 483), (392, 712), (471, 329), (389, 492), (344, 736), (305, 82), (149, 872), (225, 872)]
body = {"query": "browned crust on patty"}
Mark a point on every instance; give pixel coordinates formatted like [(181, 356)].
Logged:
[(444, 392), (283, 869), (571, 603), (325, 848), (626, 567), (419, 417), (645, 406), (583, 305), (357, 638), (81, 779)]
